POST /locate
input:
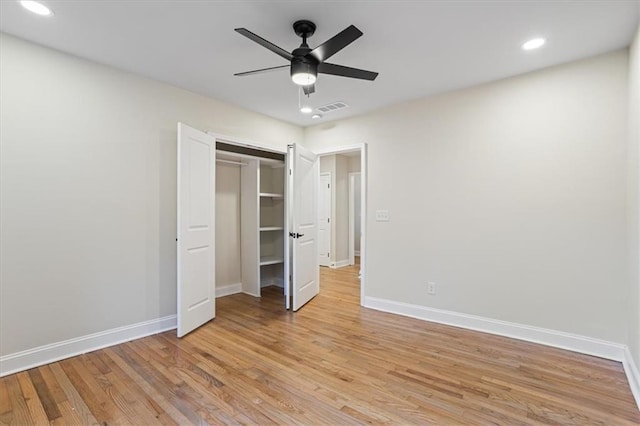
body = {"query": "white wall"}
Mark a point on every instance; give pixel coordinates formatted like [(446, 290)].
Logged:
[(633, 198), (228, 266), (354, 166), (88, 192), (509, 195), (357, 200)]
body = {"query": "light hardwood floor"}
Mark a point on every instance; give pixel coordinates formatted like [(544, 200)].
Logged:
[(331, 363)]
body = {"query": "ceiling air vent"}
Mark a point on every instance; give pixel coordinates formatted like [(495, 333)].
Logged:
[(332, 107)]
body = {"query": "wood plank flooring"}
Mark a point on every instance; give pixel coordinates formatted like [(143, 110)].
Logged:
[(331, 363)]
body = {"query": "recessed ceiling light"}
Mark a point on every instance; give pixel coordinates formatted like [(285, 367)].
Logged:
[(37, 8), (316, 116), (534, 43), (306, 110)]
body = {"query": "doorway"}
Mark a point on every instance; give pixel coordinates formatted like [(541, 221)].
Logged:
[(345, 169)]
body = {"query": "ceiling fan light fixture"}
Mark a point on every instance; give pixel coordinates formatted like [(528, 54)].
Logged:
[(303, 79), (303, 73)]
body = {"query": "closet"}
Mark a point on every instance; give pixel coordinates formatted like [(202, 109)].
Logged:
[(261, 216), (235, 207)]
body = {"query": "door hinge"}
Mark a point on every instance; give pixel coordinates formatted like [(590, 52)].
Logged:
[(328, 220), (328, 185)]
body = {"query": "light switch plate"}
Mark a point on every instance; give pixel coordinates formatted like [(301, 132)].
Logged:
[(382, 215)]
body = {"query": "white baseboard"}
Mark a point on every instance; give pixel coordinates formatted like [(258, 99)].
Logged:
[(339, 264), (558, 339), (278, 282), (356, 253), (633, 375), (228, 290), (46, 354)]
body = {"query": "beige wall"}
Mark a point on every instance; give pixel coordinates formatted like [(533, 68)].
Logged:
[(354, 163), (341, 208), (633, 198), (88, 183), (510, 196), (228, 267), (355, 166)]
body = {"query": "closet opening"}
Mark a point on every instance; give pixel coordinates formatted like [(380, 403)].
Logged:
[(250, 220)]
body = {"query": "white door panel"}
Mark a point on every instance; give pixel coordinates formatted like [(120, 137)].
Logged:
[(304, 256), (196, 227)]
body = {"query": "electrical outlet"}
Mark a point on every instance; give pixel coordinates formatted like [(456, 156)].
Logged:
[(431, 288)]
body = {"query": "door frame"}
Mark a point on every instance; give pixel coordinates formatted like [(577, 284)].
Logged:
[(362, 147), (352, 221), (330, 210), (232, 140)]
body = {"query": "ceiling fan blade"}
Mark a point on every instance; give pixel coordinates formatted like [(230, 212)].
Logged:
[(260, 71), (336, 43), (264, 43), (309, 89), (343, 71)]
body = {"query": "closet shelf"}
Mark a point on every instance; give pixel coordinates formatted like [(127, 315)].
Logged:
[(271, 228), (271, 260), (271, 195)]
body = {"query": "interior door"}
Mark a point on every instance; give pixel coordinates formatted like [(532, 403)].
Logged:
[(305, 271), (324, 219), (196, 227)]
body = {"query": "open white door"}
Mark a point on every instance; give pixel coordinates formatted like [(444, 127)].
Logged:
[(196, 227), (305, 272)]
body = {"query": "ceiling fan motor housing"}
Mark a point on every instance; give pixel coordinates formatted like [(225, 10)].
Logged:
[(304, 69), (301, 64)]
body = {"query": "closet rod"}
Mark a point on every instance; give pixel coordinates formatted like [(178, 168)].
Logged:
[(237, 163)]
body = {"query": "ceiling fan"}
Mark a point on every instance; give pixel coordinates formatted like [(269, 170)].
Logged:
[(306, 63)]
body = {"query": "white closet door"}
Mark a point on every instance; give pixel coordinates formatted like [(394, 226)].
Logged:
[(305, 272), (196, 228)]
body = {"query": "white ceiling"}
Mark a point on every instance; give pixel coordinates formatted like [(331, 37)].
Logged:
[(419, 47)]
